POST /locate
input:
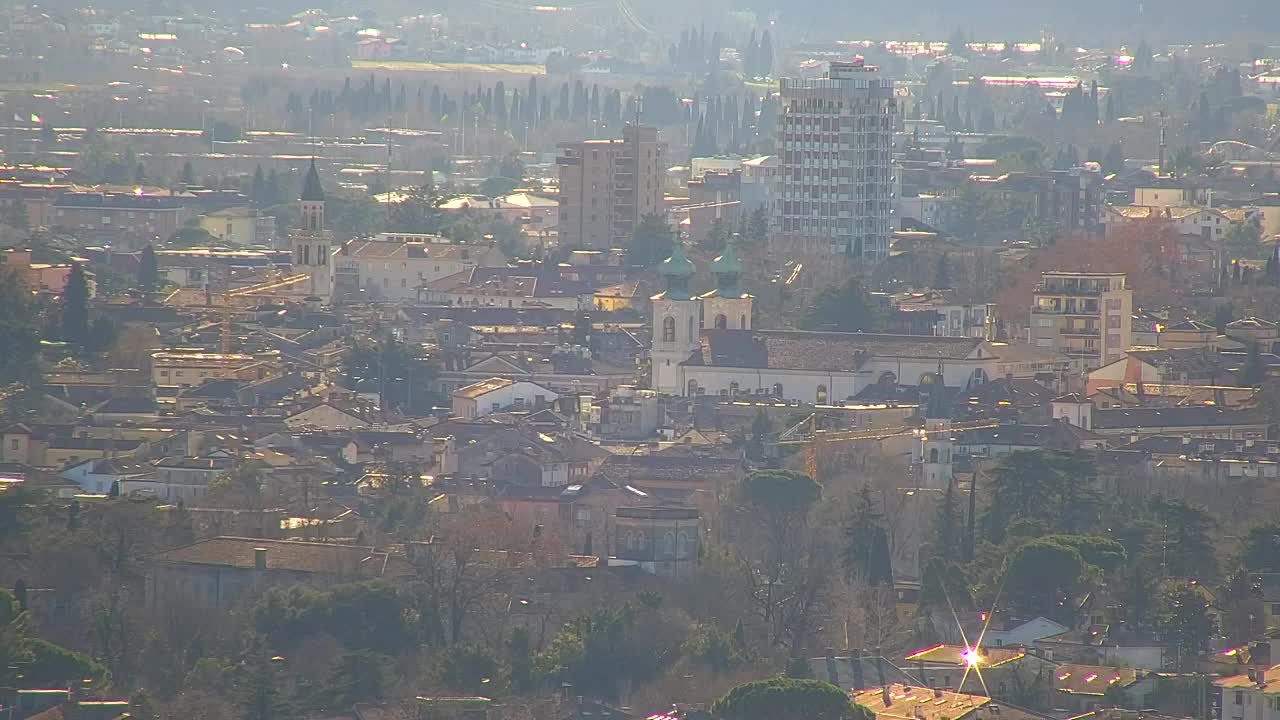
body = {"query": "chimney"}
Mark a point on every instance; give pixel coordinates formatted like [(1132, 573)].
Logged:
[(884, 695), (1253, 675), (259, 558)]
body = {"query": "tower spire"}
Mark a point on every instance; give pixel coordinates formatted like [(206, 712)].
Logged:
[(312, 191), (727, 267), (677, 269)]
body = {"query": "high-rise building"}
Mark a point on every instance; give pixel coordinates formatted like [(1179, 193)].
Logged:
[(608, 186), (1086, 316), (835, 183)]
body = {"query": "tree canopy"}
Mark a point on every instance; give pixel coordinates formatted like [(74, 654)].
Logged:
[(787, 697)]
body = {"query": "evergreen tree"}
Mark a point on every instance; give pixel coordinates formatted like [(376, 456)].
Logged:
[(500, 105), (1114, 160), (651, 243), (948, 525), (148, 272), (866, 550), (1253, 372), (942, 275), (75, 307), (987, 123), (257, 187), (765, 62)]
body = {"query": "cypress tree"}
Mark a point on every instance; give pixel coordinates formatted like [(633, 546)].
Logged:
[(75, 307)]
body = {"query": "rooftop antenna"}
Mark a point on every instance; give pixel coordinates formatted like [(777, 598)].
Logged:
[(1163, 144)]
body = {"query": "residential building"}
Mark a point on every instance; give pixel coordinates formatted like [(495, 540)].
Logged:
[(1066, 200), (1205, 223), (948, 666), (217, 573), (1250, 695), (835, 181), (145, 217), (628, 413), (1023, 633), (608, 186), (948, 315), (1086, 316), (897, 700), (1252, 330), (1209, 421), (662, 541), (1085, 687), (395, 269), (759, 183), (518, 287), (714, 197), (179, 479), (241, 226), (180, 368), (1157, 366), (1269, 585), (496, 394)]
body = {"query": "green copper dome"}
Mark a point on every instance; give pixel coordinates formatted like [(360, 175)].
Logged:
[(678, 265), (727, 267)]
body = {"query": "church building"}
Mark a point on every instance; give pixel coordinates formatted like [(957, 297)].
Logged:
[(310, 242), (705, 345)]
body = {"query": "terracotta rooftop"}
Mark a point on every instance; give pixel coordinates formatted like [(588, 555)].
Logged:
[(304, 557), (1091, 679), (831, 352), (907, 702), (956, 655), (475, 390), (1269, 682)]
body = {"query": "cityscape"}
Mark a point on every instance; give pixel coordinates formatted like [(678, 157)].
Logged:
[(613, 360)]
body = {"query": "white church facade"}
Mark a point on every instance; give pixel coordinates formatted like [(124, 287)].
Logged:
[(705, 345)]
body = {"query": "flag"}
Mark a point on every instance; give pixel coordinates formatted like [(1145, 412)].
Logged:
[(35, 118)]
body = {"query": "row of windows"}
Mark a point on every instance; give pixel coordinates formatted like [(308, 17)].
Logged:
[(721, 323), (672, 543)]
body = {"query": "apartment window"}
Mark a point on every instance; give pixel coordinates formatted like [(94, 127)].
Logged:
[(668, 329), (13, 444), (822, 395), (1113, 322), (1239, 697), (1113, 303), (1275, 608)]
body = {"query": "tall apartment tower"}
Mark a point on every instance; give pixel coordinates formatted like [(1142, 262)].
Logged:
[(311, 241), (835, 182), (1086, 316), (608, 186)]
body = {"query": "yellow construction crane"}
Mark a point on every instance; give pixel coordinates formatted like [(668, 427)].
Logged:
[(228, 300)]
